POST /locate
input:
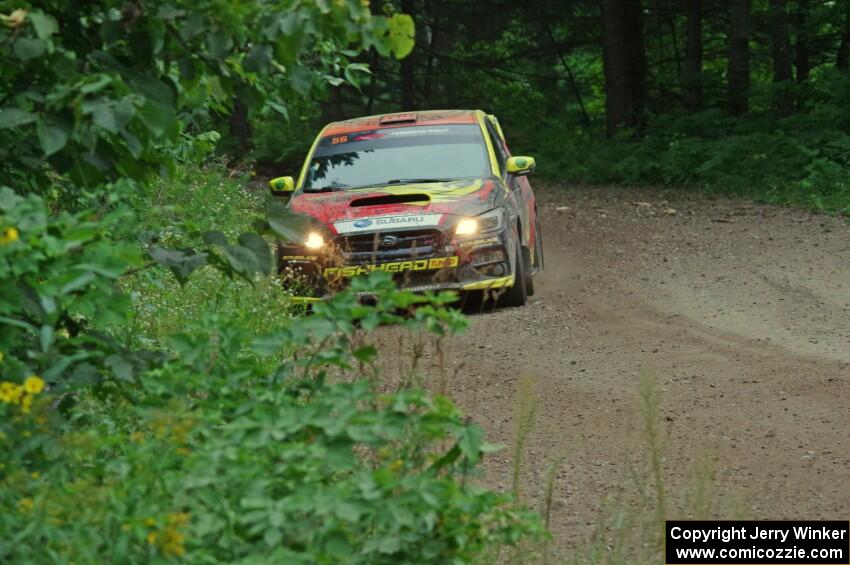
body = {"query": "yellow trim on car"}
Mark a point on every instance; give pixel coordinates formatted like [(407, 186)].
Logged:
[(495, 121), (491, 151), (309, 158), (490, 283)]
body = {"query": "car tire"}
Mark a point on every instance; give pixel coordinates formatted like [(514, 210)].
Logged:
[(534, 267), (538, 248), (516, 295), (529, 272)]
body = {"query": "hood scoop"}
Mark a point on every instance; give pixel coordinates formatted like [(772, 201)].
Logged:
[(385, 199)]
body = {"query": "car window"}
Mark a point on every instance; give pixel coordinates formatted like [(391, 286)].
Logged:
[(398, 155)]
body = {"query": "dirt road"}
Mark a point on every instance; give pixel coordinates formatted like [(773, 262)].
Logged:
[(741, 311)]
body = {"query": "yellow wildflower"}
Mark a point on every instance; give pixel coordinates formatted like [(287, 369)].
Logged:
[(35, 474), (150, 522), (173, 543), (10, 392), (9, 235), (178, 518), (1, 356), (26, 403), (34, 384), (25, 505), (152, 537)]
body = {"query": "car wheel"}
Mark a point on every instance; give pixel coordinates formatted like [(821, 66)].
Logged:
[(516, 295)]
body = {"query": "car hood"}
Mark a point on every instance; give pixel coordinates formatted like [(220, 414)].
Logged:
[(398, 206)]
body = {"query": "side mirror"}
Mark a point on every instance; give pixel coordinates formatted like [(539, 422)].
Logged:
[(521, 166), (282, 186)]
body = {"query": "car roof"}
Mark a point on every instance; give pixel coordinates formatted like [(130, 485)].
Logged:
[(402, 119)]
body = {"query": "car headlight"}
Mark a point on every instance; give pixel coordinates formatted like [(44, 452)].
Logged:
[(314, 241), (487, 222)]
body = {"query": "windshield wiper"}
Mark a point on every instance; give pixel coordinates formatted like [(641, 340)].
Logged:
[(414, 181)]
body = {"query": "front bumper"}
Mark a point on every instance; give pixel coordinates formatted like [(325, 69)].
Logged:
[(419, 260)]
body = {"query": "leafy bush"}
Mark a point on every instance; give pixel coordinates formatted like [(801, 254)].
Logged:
[(223, 461), (97, 91), (223, 445), (56, 276)]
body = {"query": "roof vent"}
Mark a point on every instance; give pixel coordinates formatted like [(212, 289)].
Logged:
[(385, 199), (398, 118)]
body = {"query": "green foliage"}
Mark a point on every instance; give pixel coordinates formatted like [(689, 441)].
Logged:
[(222, 460), (148, 413), (99, 96), (801, 160), (59, 278), (58, 275)]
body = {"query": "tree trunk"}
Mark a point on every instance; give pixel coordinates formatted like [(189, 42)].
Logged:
[(738, 69), (803, 49), (693, 56), (432, 59), (842, 60), (782, 69), (373, 82), (408, 78), (624, 62), (240, 126)]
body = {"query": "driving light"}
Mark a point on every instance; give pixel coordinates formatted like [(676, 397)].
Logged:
[(314, 240), (467, 226), (487, 222)]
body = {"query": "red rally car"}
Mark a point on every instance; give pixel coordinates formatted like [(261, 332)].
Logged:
[(434, 198)]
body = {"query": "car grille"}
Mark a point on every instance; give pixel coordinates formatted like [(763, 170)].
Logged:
[(383, 247)]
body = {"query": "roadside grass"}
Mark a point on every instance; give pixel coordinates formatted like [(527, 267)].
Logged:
[(174, 214), (629, 525)]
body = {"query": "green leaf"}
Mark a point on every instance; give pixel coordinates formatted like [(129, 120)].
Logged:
[(120, 367), (104, 117), (365, 353), (260, 249), (219, 43), (301, 80), (279, 108), (46, 336), (27, 48), (470, 440), (181, 262), (352, 70), (14, 117), (96, 84), (286, 223), (258, 58), (51, 136), (241, 259), (44, 25), (214, 237), (401, 31), (169, 12)]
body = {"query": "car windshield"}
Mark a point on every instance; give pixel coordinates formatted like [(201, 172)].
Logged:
[(396, 156)]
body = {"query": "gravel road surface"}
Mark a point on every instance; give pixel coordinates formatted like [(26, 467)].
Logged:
[(741, 312)]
